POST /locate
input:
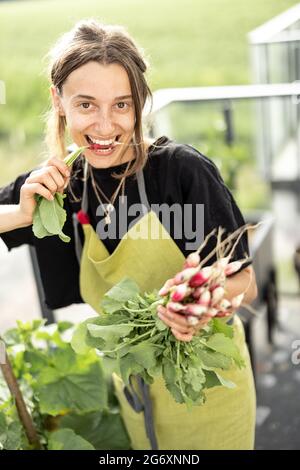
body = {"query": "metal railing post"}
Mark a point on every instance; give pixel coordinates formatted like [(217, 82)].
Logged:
[(46, 312)]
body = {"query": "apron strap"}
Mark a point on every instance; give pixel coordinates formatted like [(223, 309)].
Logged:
[(85, 199), (84, 208), (142, 190), (133, 398), (77, 241), (144, 405)]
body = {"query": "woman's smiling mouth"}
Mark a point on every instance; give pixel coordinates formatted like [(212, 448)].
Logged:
[(99, 146)]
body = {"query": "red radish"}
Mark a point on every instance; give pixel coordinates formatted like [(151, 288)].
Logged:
[(214, 286), (223, 262), (212, 312), (233, 267), (197, 292), (207, 271), (192, 261), (82, 217), (178, 293), (236, 301), (217, 295), (185, 275), (194, 309), (198, 279), (225, 304), (204, 298), (175, 306), (166, 287)]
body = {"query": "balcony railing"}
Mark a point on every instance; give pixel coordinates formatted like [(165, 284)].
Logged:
[(268, 156)]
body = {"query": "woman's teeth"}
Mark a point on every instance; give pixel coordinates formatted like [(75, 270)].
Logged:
[(104, 143), (101, 147)]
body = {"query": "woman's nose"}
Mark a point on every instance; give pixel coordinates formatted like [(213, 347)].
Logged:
[(104, 125)]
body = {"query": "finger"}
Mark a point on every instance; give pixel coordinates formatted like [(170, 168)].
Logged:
[(177, 318), (182, 336), (59, 178), (29, 189), (45, 179), (60, 165), (172, 324)]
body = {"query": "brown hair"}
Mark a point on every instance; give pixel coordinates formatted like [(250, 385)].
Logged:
[(90, 40)]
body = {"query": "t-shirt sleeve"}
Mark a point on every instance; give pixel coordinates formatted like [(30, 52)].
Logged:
[(10, 194), (203, 184)]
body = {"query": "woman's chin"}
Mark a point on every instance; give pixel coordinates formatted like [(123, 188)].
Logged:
[(100, 159)]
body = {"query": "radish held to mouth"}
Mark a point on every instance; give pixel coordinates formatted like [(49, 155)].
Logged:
[(100, 147)]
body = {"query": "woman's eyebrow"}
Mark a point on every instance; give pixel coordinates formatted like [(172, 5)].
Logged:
[(124, 97), (88, 97)]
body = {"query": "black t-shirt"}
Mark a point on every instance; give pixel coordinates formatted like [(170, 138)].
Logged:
[(174, 174)]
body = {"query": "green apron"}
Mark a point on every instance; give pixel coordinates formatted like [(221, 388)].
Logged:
[(227, 419)]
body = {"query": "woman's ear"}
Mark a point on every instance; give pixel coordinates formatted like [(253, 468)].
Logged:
[(56, 100)]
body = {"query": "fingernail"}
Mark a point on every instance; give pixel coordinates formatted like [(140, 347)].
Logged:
[(68, 173)]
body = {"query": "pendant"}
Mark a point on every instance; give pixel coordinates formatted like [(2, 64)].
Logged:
[(107, 219), (110, 208)]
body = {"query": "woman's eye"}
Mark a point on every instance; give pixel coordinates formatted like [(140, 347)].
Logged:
[(122, 105), (85, 105)]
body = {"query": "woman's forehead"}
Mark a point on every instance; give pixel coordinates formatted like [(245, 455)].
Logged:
[(103, 82)]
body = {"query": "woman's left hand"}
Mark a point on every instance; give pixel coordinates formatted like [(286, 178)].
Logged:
[(179, 325)]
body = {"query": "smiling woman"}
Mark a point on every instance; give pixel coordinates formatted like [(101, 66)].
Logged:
[(98, 91), (98, 116)]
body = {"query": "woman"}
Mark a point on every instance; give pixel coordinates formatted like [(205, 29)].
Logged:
[(98, 91)]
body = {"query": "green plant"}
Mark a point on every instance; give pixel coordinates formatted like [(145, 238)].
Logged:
[(131, 332), (69, 397)]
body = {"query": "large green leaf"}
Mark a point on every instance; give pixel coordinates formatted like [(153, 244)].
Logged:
[(111, 334), (225, 382), (127, 367), (220, 326), (222, 344), (10, 435), (38, 227), (66, 439), (119, 294), (144, 354), (103, 430), (36, 360), (82, 342), (53, 215), (211, 379), (195, 377), (213, 359), (81, 392)]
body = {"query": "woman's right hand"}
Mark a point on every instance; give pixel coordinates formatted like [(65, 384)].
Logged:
[(51, 178)]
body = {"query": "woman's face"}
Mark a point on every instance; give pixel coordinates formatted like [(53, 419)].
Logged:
[(97, 103)]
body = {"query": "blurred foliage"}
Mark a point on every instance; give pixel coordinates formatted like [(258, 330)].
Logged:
[(203, 126), (187, 42)]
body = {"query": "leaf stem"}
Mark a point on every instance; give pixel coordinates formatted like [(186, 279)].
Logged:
[(23, 413), (129, 342), (132, 310)]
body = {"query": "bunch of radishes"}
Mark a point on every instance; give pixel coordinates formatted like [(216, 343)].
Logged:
[(199, 292)]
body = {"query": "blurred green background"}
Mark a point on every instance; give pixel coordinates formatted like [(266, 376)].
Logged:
[(188, 43)]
